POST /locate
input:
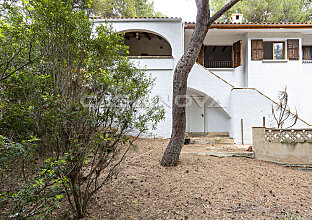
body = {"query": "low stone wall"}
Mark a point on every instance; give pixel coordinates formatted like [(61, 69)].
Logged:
[(285, 146)]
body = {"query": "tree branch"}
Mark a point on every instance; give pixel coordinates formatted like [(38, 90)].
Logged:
[(21, 67), (219, 13)]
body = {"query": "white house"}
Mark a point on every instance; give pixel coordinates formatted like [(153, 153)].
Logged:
[(240, 70)]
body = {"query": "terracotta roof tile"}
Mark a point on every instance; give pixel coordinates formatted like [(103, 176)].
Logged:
[(255, 25)]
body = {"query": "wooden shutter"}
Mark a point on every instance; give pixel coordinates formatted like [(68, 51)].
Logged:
[(257, 49), (201, 57), (237, 54), (293, 49)]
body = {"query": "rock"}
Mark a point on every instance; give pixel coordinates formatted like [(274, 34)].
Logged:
[(249, 149)]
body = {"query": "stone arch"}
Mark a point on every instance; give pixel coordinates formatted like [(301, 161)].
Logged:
[(146, 43)]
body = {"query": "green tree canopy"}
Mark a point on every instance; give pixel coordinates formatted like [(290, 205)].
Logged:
[(268, 10), (124, 8)]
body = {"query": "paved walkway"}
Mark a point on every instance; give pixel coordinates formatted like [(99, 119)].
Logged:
[(218, 150)]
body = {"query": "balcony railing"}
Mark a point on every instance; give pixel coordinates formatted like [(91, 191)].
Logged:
[(306, 61), (219, 64)]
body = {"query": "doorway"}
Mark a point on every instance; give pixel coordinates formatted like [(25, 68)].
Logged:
[(196, 115)]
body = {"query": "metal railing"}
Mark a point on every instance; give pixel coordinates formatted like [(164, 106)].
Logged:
[(306, 61), (219, 64)]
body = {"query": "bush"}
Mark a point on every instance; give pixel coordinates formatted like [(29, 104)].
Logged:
[(80, 97)]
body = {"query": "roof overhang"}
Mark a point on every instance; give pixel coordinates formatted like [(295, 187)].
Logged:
[(254, 26), (145, 19)]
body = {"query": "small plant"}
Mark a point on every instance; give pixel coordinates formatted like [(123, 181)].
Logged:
[(186, 136), (187, 139), (293, 216), (281, 111)]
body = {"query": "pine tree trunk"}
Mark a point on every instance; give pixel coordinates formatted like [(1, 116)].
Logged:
[(181, 72)]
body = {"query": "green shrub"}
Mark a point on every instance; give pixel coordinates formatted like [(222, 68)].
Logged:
[(78, 95)]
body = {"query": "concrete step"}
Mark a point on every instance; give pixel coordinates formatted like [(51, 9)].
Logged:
[(218, 134), (229, 154), (210, 134), (213, 140)]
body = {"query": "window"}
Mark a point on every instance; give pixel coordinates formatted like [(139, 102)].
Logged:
[(293, 49), (273, 50), (306, 52)]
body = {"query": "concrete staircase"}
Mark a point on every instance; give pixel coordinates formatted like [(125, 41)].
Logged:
[(217, 145), (221, 138)]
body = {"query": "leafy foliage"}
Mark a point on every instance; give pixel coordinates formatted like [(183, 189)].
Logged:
[(77, 102), (268, 10), (124, 8), (43, 194)]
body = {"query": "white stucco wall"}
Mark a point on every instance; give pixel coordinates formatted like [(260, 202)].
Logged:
[(169, 28), (251, 106), (159, 68), (201, 79), (154, 64), (163, 88), (272, 77), (305, 110), (217, 121)]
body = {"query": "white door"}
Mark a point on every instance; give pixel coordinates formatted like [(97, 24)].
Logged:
[(197, 115)]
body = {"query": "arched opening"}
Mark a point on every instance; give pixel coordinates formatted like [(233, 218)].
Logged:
[(204, 115), (143, 43)]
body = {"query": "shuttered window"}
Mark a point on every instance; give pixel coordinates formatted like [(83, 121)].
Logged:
[(293, 49), (257, 49), (307, 52), (237, 54)]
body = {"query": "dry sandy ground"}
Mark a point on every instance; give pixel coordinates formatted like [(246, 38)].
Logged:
[(202, 187)]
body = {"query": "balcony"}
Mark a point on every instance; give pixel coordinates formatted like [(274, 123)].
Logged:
[(219, 64)]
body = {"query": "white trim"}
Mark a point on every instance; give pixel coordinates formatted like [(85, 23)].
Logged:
[(101, 20), (221, 69), (275, 61)]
